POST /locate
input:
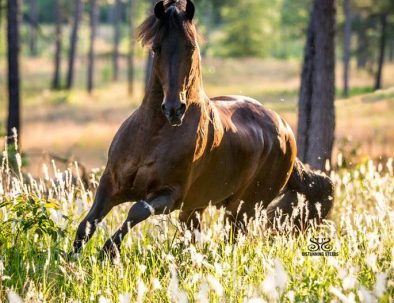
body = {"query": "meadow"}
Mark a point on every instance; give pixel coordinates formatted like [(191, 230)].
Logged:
[(159, 263), (43, 201)]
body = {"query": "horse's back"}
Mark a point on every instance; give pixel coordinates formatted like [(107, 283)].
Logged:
[(227, 100), (243, 110)]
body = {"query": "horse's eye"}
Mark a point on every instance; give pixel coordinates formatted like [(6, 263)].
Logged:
[(156, 49)]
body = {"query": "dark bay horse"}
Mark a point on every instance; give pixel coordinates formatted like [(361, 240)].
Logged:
[(181, 150)]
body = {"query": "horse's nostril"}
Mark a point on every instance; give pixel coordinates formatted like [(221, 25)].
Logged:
[(163, 108), (182, 109)]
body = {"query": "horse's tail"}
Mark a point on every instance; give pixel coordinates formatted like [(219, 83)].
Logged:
[(318, 190), (316, 187)]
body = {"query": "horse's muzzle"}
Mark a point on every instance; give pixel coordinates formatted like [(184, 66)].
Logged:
[(174, 114)]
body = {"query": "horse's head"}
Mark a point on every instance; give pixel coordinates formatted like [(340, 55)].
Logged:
[(172, 37)]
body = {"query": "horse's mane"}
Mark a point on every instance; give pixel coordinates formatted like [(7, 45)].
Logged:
[(174, 17)]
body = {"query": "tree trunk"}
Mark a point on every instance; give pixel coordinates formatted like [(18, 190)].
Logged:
[(116, 23), (391, 50), (2, 9), (362, 42), (33, 14), (363, 24), (316, 118), (383, 25), (73, 43), (93, 30), (13, 70), (58, 45), (347, 42), (130, 57)]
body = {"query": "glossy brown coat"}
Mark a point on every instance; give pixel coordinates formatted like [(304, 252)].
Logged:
[(223, 150)]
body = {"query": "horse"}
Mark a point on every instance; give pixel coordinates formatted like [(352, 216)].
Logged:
[(180, 150)]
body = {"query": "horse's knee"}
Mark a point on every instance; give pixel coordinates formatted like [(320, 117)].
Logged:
[(162, 204)]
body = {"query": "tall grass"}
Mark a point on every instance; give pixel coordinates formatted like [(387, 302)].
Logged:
[(159, 263)]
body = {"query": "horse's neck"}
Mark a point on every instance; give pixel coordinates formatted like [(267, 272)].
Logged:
[(150, 109), (153, 96)]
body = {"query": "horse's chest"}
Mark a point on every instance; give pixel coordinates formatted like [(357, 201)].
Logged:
[(151, 168)]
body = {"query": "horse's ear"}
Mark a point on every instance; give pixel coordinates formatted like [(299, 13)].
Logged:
[(159, 9), (190, 9)]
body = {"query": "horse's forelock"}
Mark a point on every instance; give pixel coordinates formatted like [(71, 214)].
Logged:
[(180, 4), (174, 17)]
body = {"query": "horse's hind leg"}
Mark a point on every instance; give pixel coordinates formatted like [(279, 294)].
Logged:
[(102, 205), (318, 191), (139, 212), (235, 216), (192, 221), (280, 211)]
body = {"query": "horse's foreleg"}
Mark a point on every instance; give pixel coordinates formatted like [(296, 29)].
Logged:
[(101, 207), (139, 212)]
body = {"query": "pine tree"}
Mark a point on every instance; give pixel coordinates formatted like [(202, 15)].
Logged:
[(13, 69), (316, 116)]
